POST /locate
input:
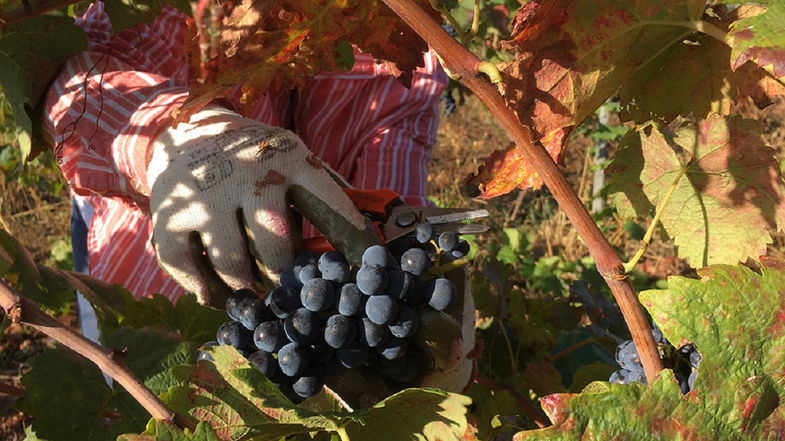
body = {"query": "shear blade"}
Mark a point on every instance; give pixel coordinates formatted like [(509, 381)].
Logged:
[(456, 217)]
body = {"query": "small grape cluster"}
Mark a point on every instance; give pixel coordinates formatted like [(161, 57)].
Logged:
[(684, 361), (327, 316)]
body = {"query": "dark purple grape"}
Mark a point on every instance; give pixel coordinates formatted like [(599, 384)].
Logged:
[(461, 250), (419, 294), (448, 241), (392, 366), (305, 258), (424, 232), (440, 293), (339, 331), (234, 334), (695, 359), (291, 278), (408, 372), (371, 334), (321, 352), (330, 257), (309, 272), (381, 310), (623, 376), (400, 285), (332, 367), (269, 336), (353, 355), (303, 326), (204, 355), (283, 301), (265, 362), (317, 295), (351, 301), (406, 323), (309, 383), (236, 300), (415, 261), (372, 279), (691, 380), (378, 255), (627, 356), (337, 272), (253, 312), (293, 359), (393, 348)]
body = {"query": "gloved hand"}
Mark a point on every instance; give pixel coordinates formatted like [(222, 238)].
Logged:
[(224, 183)]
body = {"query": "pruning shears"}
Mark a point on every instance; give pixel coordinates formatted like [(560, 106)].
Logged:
[(394, 219)]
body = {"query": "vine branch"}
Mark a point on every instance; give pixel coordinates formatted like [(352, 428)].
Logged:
[(22, 310), (463, 63)]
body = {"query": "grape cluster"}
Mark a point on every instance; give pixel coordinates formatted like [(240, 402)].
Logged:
[(684, 361), (327, 316)]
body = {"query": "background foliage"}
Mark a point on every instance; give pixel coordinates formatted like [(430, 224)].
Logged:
[(692, 89)]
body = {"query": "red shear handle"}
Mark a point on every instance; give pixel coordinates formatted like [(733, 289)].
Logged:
[(372, 203)]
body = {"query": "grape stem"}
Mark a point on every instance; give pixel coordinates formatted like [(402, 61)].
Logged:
[(341, 431), (629, 266), (462, 62), (23, 310)]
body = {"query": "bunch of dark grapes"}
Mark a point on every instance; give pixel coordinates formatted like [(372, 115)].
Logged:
[(684, 361), (327, 316)]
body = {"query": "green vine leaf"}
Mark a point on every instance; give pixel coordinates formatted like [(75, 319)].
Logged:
[(239, 402), (124, 14), (724, 177), (30, 55), (738, 391), (70, 400), (38, 283), (159, 431)]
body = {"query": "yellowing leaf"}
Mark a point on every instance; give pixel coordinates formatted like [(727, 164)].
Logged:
[(728, 192)]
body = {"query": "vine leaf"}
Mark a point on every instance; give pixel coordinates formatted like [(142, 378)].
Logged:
[(571, 56), (35, 282), (738, 392), (238, 402), (286, 41), (124, 14), (30, 55), (726, 177), (757, 36), (79, 406), (157, 431)]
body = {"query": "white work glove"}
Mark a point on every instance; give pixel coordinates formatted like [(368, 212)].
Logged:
[(228, 181)]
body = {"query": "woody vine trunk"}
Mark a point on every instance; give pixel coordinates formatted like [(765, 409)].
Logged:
[(463, 63)]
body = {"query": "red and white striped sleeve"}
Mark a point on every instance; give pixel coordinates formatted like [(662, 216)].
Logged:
[(109, 103), (371, 129)]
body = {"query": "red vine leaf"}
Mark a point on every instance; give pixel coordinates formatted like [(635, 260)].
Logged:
[(757, 36), (506, 169), (283, 42), (571, 56)]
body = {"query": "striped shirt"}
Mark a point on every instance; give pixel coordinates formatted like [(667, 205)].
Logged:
[(111, 101)]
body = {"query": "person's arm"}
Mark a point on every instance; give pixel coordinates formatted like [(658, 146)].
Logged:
[(110, 102), (370, 128)]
